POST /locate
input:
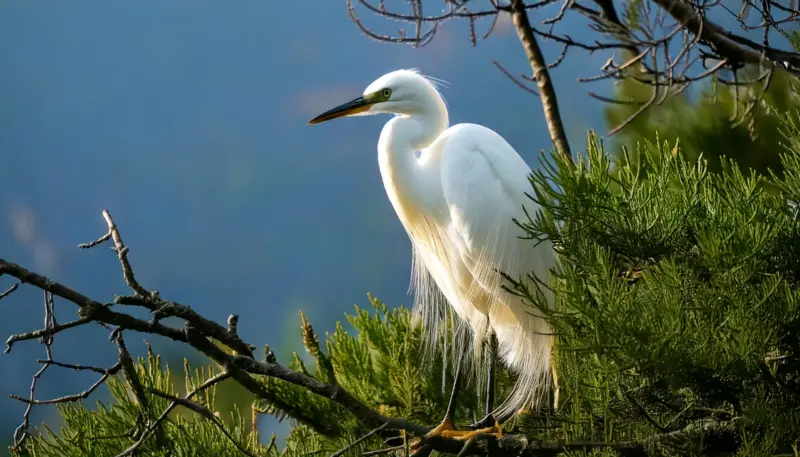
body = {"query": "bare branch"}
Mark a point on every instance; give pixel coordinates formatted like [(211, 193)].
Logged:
[(9, 291), (519, 16), (732, 47), (203, 411), (45, 332), (94, 243), (21, 433), (642, 108), (122, 253), (76, 397), (129, 370), (360, 440), (78, 367), (163, 309), (514, 80)]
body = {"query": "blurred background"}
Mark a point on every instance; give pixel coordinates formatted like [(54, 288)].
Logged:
[(187, 121)]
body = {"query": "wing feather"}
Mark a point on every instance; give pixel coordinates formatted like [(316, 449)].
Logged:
[(484, 182)]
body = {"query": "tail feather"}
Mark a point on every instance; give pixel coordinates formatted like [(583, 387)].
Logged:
[(525, 347)]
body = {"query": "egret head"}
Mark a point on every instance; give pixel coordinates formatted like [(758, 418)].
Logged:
[(404, 92)]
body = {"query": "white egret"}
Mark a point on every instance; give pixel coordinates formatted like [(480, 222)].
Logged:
[(457, 201)]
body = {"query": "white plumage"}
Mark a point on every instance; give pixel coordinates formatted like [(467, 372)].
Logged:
[(458, 201)]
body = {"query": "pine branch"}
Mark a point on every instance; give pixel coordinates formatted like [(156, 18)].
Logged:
[(311, 342)]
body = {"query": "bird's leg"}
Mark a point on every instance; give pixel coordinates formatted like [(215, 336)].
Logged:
[(447, 428), (489, 420), (491, 376), (448, 423)]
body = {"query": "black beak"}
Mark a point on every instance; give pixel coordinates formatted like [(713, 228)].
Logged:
[(356, 106)]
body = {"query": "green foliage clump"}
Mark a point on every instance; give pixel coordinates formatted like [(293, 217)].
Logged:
[(678, 296), (110, 429)]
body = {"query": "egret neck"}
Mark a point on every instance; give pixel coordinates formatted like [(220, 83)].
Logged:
[(404, 175)]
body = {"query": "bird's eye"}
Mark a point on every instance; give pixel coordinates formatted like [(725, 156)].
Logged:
[(386, 93)]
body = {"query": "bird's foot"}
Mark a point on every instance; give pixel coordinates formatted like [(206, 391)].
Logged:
[(447, 429)]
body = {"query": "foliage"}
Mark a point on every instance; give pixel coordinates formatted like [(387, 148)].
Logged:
[(678, 294), (110, 429)]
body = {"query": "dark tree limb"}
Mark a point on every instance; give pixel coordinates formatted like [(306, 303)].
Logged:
[(728, 45), (162, 309), (519, 15), (360, 440)]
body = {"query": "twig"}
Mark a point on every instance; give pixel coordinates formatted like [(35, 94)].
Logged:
[(45, 332), (513, 79), (356, 442), (129, 370), (205, 385), (122, 253), (203, 411), (59, 290), (77, 367), (94, 243), (162, 309), (71, 398), (21, 433), (8, 291), (383, 451), (726, 44)]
